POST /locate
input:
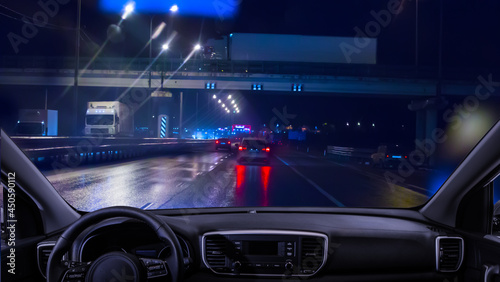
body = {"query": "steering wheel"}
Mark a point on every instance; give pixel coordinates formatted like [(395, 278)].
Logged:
[(116, 266)]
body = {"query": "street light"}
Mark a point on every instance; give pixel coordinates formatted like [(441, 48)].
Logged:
[(164, 46), (174, 8), (214, 97), (223, 105), (232, 102), (229, 97), (219, 101), (197, 47), (128, 10)]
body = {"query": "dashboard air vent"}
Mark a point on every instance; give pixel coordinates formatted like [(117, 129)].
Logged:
[(43, 253), (312, 254), (215, 250), (449, 253)]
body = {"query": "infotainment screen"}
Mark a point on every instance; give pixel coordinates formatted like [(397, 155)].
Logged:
[(261, 248)]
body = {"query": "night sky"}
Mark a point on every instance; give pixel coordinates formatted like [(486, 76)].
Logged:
[(471, 28)]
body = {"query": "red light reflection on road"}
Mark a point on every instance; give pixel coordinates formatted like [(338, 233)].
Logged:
[(252, 184), (264, 178), (240, 179), (240, 175)]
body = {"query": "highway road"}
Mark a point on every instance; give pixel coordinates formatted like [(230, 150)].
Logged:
[(215, 179)]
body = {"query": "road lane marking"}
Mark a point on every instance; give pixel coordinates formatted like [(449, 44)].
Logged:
[(146, 206), (407, 186), (321, 190)]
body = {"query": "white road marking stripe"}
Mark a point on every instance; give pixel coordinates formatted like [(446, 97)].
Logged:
[(321, 190), (146, 206)]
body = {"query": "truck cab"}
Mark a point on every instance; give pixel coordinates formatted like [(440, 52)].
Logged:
[(108, 118), (37, 122)]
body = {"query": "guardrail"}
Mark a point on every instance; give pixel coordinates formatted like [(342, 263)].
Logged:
[(74, 151), (350, 153)]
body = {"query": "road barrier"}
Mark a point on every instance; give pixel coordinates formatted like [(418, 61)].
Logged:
[(94, 149), (350, 153)]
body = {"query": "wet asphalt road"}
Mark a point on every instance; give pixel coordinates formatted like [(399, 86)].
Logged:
[(215, 179)]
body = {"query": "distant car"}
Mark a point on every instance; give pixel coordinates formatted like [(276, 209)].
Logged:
[(223, 143), (253, 150), (388, 156), (277, 143)]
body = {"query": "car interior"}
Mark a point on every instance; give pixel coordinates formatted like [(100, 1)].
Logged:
[(453, 237)]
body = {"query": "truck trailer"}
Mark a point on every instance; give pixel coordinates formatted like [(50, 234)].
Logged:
[(111, 118), (294, 48), (302, 48), (37, 122)]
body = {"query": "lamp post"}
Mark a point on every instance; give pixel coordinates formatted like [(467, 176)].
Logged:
[(165, 46), (77, 67), (416, 34)]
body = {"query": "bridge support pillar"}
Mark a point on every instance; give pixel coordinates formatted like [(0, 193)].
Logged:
[(426, 124)]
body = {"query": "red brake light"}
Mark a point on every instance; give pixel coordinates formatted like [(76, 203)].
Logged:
[(268, 149), (241, 148), (387, 156), (406, 157), (228, 142), (216, 141)]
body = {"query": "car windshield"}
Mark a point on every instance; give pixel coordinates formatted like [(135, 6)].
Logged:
[(99, 120), (354, 103)]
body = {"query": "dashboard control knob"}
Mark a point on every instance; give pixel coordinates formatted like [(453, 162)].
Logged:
[(237, 264), (289, 266)]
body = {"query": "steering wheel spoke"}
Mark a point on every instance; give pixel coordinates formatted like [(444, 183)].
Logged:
[(76, 271), (154, 267)]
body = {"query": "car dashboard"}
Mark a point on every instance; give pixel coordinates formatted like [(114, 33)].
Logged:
[(267, 245)]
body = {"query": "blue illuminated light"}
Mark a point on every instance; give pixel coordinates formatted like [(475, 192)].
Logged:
[(437, 179), (296, 87), (256, 86), (210, 85), (224, 9)]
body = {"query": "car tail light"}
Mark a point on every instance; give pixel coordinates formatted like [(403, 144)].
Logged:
[(228, 142), (216, 141), (406, 157), (387, 156), (242, 148), (267, 149)]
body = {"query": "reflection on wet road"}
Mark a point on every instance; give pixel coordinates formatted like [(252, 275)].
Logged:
[(214, 179)]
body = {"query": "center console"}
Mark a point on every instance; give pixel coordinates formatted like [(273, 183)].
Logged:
[(264, 252)]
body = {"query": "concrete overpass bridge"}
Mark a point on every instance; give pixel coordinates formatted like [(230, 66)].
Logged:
[(419, 84), (314, 78)]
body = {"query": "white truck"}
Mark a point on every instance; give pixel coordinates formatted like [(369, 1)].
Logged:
[(299, 48), (109, 118), (38, 122)]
